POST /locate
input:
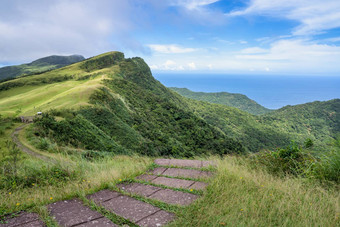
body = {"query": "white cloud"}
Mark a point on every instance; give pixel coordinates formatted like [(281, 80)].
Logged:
[(254, 50), (37, 28), (334, 39), (287, 56), (193, 4), (192, 65), (295, 50), (170, 49), (168, 65), (315, 16)]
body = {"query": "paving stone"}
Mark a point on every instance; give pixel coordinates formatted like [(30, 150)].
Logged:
[(23, 219), (158, 171), (199, 185), (158, 219), (72, 212), (171, 182), (139, 189), (206, 174), (186, 163), (103, 195), (208, 163), (37, 223), (190, 173), (174, 197), (162, 162), (101, 222), (129, 208), (146, 177)]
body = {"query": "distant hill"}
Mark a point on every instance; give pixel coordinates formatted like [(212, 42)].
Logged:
[(239, 101), (38, 66), (110, 103)]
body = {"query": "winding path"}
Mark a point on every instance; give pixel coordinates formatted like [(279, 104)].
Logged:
[(25, 149)]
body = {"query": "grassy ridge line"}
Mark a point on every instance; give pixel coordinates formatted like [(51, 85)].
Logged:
[(37, 66), (67, 94)]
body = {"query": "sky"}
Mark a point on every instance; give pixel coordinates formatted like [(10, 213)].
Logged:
[(274, 37)]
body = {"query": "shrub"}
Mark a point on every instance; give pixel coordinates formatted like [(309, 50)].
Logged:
[(328, 167), (290, 160)]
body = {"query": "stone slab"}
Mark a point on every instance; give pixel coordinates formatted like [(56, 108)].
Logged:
[(162, 162), (23, 219), (208, 163), (156, 220), (158, 171), (174, 197), (129, 208), (101, 222), (139, 189), (189, 173), (72, 212), (186, 163), (37, 223), (103, 195), (171, 182), (146, 177), (199, 185)]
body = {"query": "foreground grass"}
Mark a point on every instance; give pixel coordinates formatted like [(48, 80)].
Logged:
[(240, 196), (88, 177)]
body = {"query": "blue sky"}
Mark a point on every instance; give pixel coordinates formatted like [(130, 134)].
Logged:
[(274, 37)]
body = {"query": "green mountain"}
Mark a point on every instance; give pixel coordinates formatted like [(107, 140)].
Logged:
[(121, 109), (239, 101), (112, 104), (318, 121), (38, 66)]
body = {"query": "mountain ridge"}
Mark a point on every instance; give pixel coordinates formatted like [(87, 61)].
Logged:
[(239, 101), (38, 66)]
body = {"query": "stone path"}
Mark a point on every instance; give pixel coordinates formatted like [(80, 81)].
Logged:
[(164, 187)]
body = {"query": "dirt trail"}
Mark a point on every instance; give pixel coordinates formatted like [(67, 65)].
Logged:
[(25, 149)]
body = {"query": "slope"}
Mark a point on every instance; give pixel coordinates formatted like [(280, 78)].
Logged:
[(239, 101), (121, 109), (318, 121), (38, 66)]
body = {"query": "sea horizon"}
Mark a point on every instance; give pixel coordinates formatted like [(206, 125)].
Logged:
[(270, 91)]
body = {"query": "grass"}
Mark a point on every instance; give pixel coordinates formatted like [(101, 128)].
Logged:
[(28, 100), (90, 177), (242, 196)]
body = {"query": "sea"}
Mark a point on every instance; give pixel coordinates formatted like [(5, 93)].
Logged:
[(272, 92)]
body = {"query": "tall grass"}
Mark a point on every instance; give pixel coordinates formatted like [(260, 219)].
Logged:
[(240, 195)]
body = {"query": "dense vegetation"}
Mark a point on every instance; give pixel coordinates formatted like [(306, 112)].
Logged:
[(38, 66), (239, 101), (134, 113)]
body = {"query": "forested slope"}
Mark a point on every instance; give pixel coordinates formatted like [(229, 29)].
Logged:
[(239, 101)]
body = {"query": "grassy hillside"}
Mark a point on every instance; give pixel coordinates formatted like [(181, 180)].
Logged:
[(318, 121), (119, 98), (112, 104), (38, 66), (239, 101)]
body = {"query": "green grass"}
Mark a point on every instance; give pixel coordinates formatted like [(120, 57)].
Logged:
[(242, 196), (239, 195), (28, 100)]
